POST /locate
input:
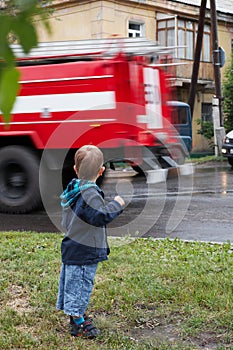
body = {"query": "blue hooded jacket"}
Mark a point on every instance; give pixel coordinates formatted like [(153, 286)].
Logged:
[(85, 217)]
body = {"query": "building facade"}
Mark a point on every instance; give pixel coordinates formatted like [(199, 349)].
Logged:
[(172, 23)]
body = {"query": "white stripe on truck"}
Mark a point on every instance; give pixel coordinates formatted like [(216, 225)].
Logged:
[(65, 102)]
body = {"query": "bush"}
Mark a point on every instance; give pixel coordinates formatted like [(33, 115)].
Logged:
[(207, 130), (228, 97)]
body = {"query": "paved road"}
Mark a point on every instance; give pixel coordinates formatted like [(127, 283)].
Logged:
[(197, 207), (210, 214)]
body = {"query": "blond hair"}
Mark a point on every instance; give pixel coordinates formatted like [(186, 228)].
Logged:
[(88, 162)]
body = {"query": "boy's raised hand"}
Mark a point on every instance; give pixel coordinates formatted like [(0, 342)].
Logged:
[(120, 200)]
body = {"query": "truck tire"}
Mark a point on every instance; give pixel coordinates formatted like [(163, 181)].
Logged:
[(19, 180), (177, 155)]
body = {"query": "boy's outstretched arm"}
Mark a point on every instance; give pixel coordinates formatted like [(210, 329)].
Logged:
[(96, 212)]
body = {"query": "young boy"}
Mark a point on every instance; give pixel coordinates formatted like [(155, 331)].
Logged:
[(84, 217)]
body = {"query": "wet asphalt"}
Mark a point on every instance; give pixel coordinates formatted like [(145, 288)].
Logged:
[(197, 206)]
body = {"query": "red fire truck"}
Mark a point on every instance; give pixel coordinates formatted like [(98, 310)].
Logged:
[(111, 93)]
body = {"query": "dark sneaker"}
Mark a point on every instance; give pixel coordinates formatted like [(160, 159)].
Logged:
[(86, 329)]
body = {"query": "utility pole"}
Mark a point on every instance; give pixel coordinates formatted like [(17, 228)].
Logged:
[(217, 100), (216, 58), (197, 57)]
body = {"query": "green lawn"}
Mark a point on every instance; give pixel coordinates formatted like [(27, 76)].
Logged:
[(151, 294)]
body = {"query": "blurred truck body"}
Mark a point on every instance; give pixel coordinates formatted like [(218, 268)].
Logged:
[(102, 92)]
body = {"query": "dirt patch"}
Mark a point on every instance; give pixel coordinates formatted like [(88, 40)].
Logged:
[(161, 330), (18, 300), (163, 333), (172, 334)]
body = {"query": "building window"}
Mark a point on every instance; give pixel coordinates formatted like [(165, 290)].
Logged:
[(135, 30), (206, 112), (206, 55), (182, 33), (186, 38), (166, 32)]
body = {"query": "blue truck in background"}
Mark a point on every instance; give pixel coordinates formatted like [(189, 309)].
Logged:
[(182, 121)]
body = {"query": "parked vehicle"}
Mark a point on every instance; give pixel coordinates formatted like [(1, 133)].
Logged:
[(227, 147), (182, 121), (84, 92)]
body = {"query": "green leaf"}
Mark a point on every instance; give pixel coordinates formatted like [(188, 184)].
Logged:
[(17, 19), (9, 88), (26, 33), (5, 51), (5, 27)]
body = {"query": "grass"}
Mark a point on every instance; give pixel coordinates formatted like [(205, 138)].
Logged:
[(206, 159), (151, 294)]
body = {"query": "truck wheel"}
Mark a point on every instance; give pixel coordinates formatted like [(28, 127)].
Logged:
[(177, 155), (230, 161), (19, 180), (138, 170)]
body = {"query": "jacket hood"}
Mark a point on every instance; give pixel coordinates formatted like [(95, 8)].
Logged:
[(73, 190)]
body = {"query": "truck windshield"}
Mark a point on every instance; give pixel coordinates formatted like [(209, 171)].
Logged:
[(179, 115)]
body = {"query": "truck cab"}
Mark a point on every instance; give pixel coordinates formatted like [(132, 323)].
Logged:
[(182, 121)]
